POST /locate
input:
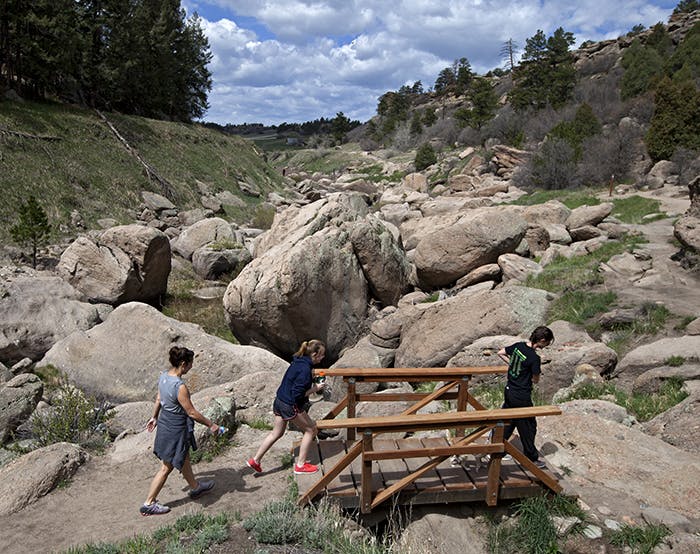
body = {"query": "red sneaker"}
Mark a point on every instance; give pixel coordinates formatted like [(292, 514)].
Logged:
[(255, 466), (306, 468)]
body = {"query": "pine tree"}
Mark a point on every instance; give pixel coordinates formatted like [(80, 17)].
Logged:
[(484, 102), (33, 228), (643, 69), (546, 75), (687, 6)]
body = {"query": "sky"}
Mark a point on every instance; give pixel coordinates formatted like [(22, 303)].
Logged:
[(292, 61)]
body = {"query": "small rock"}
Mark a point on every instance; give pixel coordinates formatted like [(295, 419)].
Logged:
[(593, 532)]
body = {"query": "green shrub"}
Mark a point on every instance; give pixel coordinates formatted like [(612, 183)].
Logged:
[(643, 406), (259, 423), (73, 417), (675, 361), (584, 124), (264, 216), (578, 306), (311, 528), (425, 157), (224, 244), (641, 540), (534, 531), (190, 534)]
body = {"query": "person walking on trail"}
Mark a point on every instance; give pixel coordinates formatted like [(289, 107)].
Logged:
[(524, 370), (174, 416), (291, 404)]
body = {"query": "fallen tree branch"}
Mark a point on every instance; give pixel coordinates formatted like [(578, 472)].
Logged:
[(5, 131), (165, 186)]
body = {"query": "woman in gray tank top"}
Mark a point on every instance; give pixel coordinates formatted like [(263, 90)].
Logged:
[(174, 416)]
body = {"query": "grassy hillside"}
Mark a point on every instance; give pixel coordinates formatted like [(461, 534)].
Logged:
[(88, 169)]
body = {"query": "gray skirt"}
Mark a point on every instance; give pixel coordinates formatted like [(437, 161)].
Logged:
[(174, 438)]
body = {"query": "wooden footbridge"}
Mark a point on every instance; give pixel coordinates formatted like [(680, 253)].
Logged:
[(453, 463)]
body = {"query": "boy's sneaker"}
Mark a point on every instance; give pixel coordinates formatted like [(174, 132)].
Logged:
[(306, 468), (155, 509), (541, 464), (202, 488), (255, 466)]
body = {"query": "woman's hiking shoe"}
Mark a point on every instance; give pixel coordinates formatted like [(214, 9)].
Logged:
[(255, 466), (306, 468), (155, 509), (202, 488)]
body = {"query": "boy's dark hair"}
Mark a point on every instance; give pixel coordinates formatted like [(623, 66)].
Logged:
[(180, 354), (540, 333)]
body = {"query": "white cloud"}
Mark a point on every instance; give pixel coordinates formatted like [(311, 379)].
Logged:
[(298, 60)]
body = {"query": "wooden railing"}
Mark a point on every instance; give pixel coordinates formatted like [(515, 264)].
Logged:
[(479, 420)]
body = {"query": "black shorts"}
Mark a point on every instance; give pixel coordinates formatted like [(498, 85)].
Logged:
[(284, 410)]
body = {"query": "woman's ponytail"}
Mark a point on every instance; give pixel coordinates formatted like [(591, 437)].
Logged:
[(310, 347)]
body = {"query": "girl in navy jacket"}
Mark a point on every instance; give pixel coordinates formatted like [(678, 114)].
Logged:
[(290, 405)]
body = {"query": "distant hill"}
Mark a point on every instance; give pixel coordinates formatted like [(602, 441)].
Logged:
[(70, 159)]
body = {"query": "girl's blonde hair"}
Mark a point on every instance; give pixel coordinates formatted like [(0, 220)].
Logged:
[(309, 347)]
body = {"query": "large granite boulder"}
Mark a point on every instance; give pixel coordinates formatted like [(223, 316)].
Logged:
[(121, 358), (39, 310), (313, 275), (445, 255), (311, 289), (123, 264), (440, 331), (588, 215)]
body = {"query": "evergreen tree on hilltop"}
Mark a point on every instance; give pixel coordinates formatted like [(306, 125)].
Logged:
[(546, 75), (687, 6)]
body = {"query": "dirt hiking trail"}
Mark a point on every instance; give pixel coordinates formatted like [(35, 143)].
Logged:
[(101, 502)]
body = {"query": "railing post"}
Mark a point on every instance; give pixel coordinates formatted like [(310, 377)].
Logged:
[(352, 403), (366, 479), (494, 467), (462, 396)]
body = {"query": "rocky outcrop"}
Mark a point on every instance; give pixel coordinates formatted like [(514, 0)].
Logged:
[(121, 358), (618, 464), (38, 311), (29, 477), (18, 398), (123, 264)]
